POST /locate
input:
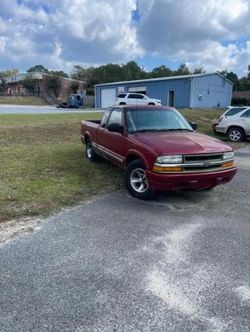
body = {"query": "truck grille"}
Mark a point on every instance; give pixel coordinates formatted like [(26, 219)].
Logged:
[(202, 162)]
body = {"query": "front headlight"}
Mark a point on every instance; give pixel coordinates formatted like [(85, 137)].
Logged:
[(228, 155), (175, 159)]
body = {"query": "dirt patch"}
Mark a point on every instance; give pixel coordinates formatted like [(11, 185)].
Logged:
[(13, 228)]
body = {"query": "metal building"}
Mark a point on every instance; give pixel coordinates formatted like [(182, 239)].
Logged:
[(190, 91)]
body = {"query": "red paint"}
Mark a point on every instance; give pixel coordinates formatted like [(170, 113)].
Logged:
[(147, 146)]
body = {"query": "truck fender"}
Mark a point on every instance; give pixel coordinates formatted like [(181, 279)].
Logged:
[(134, 154)]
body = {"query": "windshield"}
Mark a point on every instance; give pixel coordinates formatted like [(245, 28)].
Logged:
[(155, 120)]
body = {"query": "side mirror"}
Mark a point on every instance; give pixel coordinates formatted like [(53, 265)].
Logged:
[(115, 128), (193, 125)]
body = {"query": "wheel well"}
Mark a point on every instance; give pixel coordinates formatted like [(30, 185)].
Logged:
[(122, 103), (151, 103), (86, 138), (131, 158), (239, 127)]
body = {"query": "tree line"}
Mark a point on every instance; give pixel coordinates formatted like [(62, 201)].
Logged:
[(126, 72)]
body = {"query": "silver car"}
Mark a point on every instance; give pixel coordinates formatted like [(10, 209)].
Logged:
[(235, 123)]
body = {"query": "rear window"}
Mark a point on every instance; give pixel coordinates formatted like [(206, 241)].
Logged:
[(234, 111), (246, 114), (122, 95)]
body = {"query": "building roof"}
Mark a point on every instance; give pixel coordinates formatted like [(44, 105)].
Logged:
[(165, 79)]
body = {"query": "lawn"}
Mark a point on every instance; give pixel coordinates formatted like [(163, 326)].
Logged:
[(43, 167), (22, 100)]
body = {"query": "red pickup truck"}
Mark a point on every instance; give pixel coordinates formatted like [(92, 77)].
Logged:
[(158, 149)]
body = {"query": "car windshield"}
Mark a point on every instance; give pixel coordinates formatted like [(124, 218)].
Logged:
[(155, 120)]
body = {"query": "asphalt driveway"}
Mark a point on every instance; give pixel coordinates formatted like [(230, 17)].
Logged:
[(178, 263), (27, 109)]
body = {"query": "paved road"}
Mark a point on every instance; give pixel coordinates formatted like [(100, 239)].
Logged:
[(178, 263), (23, 109)]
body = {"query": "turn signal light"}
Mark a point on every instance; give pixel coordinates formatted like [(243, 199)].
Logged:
[(160, 169), (228, 164)]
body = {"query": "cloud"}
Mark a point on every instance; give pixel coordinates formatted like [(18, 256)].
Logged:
[(87, 32), (58, 34), (196, 31)]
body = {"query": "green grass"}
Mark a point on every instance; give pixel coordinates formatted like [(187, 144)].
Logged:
[(22, 100), (203, 118), (42, 165)]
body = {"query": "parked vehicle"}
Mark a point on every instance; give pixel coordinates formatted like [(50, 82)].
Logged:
[(235, 123), (158, 149), (135, 99), (74, 101)]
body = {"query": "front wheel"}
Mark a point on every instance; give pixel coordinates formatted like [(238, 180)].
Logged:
[(136, 180), (90, 153), (235, 134)]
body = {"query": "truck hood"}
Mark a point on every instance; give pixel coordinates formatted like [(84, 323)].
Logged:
[(168, 143)]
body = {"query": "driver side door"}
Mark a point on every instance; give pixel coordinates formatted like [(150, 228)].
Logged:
[(113, 144)]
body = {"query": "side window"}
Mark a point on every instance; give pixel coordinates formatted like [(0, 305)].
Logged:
[(140, 96), (116, 117), (234, 111), (246, 114), (133, 96), (105, 118)]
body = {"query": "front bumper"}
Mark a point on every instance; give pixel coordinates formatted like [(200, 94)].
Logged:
[(219, 129), (198, 181)]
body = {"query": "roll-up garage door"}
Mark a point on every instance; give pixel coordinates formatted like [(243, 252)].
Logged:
[(108, 97)]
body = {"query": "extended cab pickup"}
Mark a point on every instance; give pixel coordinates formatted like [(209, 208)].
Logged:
[(158, 149)]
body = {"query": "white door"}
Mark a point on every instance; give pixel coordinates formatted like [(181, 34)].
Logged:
[(108, 97)]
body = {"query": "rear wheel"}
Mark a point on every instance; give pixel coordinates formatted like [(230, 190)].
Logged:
[(90, 153), (235, 134), (136, 180)]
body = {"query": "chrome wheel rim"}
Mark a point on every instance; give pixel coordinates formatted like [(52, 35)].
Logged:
[(138, 180), (89, 151), (235, 135)]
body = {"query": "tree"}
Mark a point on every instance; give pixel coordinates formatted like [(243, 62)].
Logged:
[(182, 70), (4, 75), (30, 83), (75, 86), (199, 70), (38, 68), (59, 73), (132, 71), (161, 71), (54, 84)]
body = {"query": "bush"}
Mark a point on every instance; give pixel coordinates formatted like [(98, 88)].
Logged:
[(240, 101), (54, 84)]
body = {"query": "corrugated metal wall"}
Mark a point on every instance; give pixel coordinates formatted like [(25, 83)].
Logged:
[(210, 91), (156, 89)]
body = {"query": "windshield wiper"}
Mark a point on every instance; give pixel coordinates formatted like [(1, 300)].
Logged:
[(171, 129)]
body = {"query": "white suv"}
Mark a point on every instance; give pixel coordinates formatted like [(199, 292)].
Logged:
[(135, 99), (235, 123)]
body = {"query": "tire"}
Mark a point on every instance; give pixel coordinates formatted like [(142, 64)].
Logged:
[(136, 180), (151, 103), (90, 153), (122, 103), (235, 134)]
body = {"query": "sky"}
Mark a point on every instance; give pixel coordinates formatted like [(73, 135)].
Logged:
[(59, 34)]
